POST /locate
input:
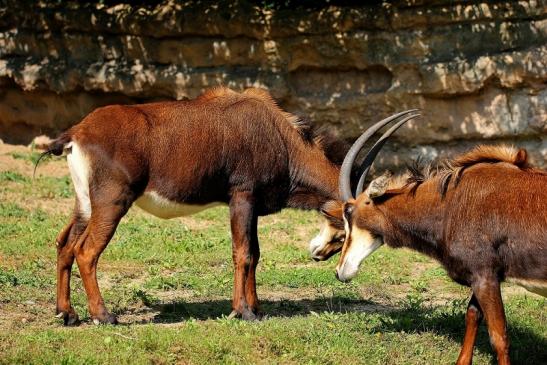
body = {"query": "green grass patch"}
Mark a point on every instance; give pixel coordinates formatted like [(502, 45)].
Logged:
[(170, 282), (13, 177)]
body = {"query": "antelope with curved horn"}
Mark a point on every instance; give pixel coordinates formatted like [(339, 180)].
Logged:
[(322, 248), (177, 158), (483, 216)]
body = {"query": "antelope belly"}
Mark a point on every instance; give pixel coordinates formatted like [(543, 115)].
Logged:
[(161, 207), (534, 286)]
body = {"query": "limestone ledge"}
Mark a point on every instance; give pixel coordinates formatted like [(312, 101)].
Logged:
[(476, 69)]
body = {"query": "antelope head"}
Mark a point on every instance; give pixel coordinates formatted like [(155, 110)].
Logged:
[(362, 219)]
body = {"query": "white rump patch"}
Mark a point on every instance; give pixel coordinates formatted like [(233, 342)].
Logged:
[(79, 171), (161, 207), (534, 286)]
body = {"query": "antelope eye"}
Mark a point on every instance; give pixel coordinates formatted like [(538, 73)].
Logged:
[(348, 210)]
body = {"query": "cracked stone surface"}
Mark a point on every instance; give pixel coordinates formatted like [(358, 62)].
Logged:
[(476, 69)]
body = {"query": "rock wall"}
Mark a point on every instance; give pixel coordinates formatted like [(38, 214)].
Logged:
[(476, 69)]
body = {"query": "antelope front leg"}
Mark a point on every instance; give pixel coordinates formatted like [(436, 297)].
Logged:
[(250, 283), (473, 318), (488, 294), (243, 224)]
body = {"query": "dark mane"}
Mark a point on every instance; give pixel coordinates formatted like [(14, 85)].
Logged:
[(452, 169), (418, 171), (334, 147), (306, 128)]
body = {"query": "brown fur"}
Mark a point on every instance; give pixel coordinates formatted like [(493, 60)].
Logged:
[(452, 170), (489, 224), (236, 148)]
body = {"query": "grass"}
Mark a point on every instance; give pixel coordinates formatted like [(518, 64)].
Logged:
[(170, 283)]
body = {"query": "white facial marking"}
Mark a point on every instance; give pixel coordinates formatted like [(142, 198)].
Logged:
[(362, 244), (534, 286), (319, 242), (161, 207), (79, 171)]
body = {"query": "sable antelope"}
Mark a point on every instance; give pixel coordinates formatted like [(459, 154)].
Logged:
[(177, 158), (483, 216)]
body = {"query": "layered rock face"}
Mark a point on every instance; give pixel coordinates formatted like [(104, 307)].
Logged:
[(476, 69)]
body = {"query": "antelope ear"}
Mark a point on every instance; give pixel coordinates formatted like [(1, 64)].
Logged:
[(333, 211), (378, 186)]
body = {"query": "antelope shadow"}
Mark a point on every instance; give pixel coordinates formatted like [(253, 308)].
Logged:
[(179, 311), (526, 347)]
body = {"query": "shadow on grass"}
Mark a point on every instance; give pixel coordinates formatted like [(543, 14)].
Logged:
[(526, 346), (180, 311)]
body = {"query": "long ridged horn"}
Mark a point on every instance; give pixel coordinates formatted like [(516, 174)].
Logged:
[(373, 152), (345, 170)]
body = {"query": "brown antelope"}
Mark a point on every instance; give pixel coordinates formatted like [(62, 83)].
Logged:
[(177, 158), (483, 216)]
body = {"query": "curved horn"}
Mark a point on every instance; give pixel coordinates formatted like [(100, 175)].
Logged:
[(345, 170), (373, 152)]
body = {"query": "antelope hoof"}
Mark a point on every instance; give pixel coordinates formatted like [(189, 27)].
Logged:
[(105, 319), (246, 315), (249, 315), (70, 318)]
